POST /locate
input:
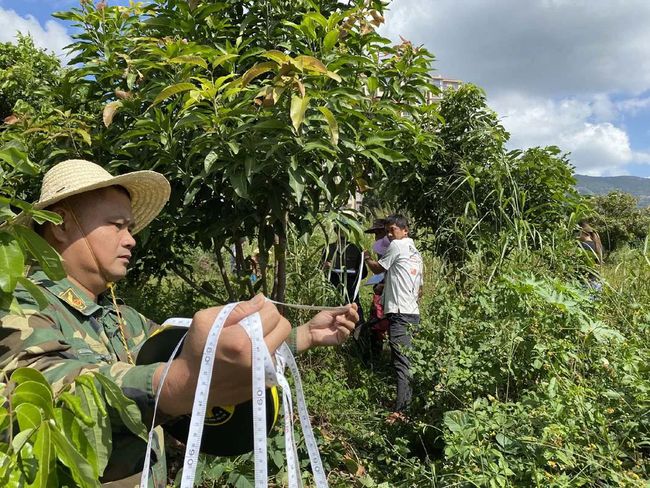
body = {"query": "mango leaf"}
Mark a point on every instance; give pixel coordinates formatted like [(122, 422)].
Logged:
[(312, 64), (239, 183), (12, 261), (39, 248), (209, 161), (188, 59), (73, 403), (34, 393), (67, 423), (20, 439), (334, 76), (257, 70), (41, 216), (14, 154), (298, 108), (99, 435), (297, 183), (125, 407), (46, 456), (330, 40), (110, 109), (218, 61), (22, 375), (85, 136), (29, 416), (81, 470), (172, 90), (277, 56), (34, 291), (332, 124), (386, 154)]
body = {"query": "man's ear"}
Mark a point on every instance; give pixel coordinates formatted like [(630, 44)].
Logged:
[(60, 233)]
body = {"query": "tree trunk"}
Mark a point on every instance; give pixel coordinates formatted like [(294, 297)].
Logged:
[(280, 281), (242, 270), (224, 276)]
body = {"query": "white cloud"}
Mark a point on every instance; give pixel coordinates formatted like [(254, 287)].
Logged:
[(558, 72), (597, 147), (550, 48), (52, 36)]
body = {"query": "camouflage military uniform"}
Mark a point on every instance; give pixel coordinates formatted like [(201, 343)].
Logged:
[(74, 335)]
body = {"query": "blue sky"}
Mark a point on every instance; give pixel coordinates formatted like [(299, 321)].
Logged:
[(571, 73)]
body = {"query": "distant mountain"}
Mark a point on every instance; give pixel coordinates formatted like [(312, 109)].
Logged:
[(602, 185)]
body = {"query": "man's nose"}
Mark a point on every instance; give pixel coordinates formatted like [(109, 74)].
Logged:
[(129, 240)]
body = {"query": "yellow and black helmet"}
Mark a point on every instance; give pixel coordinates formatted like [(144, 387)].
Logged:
[(228, 429)]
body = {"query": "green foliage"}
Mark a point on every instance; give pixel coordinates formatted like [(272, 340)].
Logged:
[(477, 197), (618, 219), (260, 114), (26, 74), (55, 441)]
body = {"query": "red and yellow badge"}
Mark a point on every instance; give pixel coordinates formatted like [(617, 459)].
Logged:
[(70, 296)]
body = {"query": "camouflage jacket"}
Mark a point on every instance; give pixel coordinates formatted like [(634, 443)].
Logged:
[(73, 335)]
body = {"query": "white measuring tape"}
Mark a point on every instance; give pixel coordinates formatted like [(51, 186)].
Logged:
[(264, 374)]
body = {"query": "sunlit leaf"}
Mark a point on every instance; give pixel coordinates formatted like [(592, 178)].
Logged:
[(110, 109), (298, 108), (332, 125), (172, 90)]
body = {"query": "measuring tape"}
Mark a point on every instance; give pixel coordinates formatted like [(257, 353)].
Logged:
[(264, 374)]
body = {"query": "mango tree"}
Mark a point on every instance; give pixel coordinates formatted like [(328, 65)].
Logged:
[(263, 115)]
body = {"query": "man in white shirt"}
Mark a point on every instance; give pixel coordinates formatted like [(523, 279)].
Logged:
[(402, 264)]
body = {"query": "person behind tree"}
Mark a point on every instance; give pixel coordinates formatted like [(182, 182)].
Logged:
[(85, 328), (376, 328), (590, 242), (403, 266), (344, 268)]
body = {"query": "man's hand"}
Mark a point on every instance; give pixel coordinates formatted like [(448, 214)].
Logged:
[(327, 328), (231, 379)]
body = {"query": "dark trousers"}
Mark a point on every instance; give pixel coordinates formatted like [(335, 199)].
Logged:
[(399, 339)]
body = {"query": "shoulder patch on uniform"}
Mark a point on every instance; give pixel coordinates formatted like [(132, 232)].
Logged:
[(70, 296)]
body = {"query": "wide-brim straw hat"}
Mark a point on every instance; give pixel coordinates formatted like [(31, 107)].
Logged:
[(149, 191)]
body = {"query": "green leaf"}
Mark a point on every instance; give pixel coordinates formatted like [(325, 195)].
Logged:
[(81, 470), (312, 64), (22, 375), (298, 108), (172, 90), (34, 291), (99, 435), (125, 407), (12, 261), (277, 56), (29, 416), (46, 455), (332, 124), (330, 40), (188, 59), (257, 70), (35, 393), (67, 423), (386, 154), (85, 135), (40, 249), (73, 403), (14, 154), (239, 183), (222, 59), (209, 161)]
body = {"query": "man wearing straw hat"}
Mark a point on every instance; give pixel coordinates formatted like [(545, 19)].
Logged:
[(85, 328)]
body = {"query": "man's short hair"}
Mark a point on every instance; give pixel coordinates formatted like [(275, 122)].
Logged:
[(398, 220)]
